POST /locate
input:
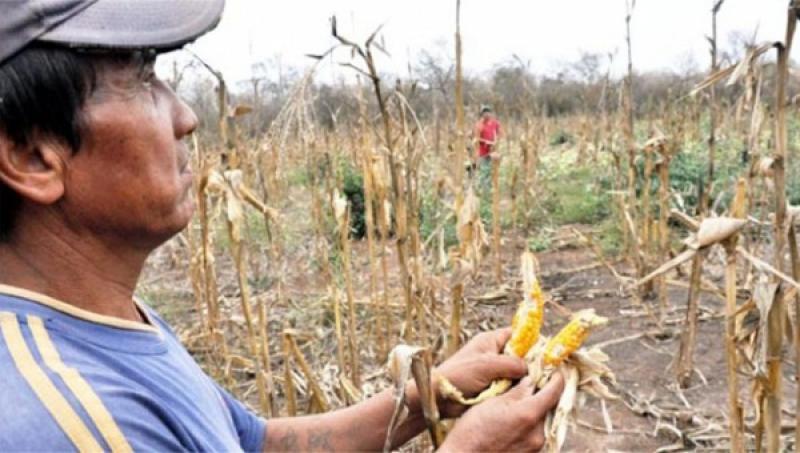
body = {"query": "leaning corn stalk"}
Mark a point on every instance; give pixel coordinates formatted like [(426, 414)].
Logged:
[(710, 231), (772, 317), (318, 402)]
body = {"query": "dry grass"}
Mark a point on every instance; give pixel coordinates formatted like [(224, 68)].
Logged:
[(294, 315)]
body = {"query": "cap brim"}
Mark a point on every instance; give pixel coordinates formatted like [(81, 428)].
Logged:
[(138, 24)]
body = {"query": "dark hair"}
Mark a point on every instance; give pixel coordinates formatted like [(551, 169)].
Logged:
[(42, 91)]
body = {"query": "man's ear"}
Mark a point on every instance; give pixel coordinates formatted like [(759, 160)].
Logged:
[(35, 171)]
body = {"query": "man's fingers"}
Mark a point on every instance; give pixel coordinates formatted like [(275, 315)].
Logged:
[(537, 437), (547, 398), (504, 366), (501, 337), (521, 390), (490, 341)]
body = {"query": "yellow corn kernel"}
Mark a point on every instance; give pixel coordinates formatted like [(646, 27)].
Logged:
[(571, 337), (527, 322)]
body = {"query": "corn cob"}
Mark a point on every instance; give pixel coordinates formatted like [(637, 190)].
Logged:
[(525, 327), (527, 322), (571, 337)]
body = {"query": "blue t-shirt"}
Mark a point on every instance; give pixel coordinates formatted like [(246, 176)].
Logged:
[(74, 380)]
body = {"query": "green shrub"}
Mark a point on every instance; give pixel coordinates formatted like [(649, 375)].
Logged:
[(539, 243), (561, 137), (353, 189), (578, 197)]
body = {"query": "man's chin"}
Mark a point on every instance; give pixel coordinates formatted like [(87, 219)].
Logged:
[(183, 217)]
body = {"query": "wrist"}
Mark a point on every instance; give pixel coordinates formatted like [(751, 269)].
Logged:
[(456, 442), (413, 399)]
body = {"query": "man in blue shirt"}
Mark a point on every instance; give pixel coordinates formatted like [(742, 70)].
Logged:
[(94, 175)]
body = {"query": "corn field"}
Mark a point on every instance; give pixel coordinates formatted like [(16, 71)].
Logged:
[(318, 247)]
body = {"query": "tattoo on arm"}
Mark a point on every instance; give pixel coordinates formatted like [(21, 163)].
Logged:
[(320, 440), (288, 441)]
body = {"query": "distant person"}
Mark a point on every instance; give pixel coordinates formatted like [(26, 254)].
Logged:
[(486, 133), (95, 174)]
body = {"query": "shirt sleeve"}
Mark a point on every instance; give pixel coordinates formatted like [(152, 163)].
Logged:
[(249, 427)]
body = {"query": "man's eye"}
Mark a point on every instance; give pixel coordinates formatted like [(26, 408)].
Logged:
[(149, 78)]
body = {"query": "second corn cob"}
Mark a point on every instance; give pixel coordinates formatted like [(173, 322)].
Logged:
[(559, 348)]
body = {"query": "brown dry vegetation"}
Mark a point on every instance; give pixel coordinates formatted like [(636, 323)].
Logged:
[(319, 247)]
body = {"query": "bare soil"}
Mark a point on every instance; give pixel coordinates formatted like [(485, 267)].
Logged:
[(642, 354)]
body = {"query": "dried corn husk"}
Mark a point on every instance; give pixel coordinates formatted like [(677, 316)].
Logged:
[(405, 361), (656, 143), (714, 230), (744, 66), (339, 208), (712, 79), (793, 214), (471, 234), (584, 374), (227, 184), (557, 424), (763, 167)]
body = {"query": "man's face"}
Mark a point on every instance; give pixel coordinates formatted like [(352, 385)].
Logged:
[(486, 115), (131, 179)]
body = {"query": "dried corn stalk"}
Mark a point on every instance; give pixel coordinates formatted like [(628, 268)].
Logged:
[(471, 234), (230, 184)]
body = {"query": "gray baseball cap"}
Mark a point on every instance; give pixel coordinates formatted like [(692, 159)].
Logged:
[(161, 25)]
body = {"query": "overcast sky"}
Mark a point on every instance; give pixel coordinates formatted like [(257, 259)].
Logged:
[(666, 33)]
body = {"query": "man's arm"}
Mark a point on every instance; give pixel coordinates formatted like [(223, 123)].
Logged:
[(361, 427), (511, 422)]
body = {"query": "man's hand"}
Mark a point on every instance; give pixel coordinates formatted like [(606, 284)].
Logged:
[(513, 421), (476, 365)]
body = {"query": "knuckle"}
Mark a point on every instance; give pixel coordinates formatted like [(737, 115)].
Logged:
[(537, 442), (528, 418), (483, 336)]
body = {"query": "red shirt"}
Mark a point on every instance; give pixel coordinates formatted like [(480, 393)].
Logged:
[(488, 131)]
